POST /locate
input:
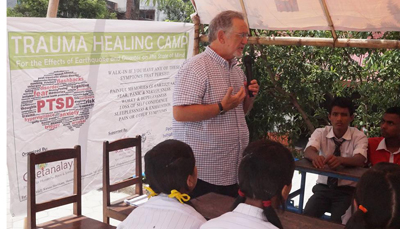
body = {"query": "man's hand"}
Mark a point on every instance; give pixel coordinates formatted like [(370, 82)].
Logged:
[(319, 161), (231, 101), (333, 161), (311, 153), (253, 87), (248, 102)]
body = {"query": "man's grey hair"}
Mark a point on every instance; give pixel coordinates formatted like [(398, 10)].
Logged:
[(223, 21)]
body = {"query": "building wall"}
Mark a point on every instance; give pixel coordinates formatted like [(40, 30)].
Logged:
[(159, 16), (11, 3)]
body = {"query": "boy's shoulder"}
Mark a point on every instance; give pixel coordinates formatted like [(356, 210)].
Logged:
[(163, 213), (326, 130), (375, 139), (374, 142)]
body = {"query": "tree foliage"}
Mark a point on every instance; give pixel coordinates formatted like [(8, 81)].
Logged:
[(66, 9), (298, 82), (175, 10), (178, 10)]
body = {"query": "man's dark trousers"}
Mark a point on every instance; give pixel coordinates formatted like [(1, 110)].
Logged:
[(203, 187)]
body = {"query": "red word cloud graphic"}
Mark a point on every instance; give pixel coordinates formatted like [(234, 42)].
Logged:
[(60, 98)]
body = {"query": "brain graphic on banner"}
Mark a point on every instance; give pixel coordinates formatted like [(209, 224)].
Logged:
[(58, 98)]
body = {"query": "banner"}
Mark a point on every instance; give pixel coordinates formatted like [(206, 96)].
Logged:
[(81, 82)]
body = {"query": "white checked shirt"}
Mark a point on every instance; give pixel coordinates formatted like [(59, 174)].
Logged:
[(162, 212), (355, 143), (244, 216), (217, 143)]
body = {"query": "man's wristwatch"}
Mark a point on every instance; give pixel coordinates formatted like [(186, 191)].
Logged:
[(221, 109)]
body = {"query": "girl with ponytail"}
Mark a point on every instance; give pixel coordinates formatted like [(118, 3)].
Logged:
[(265, 178), (377, 199), (171, 175)]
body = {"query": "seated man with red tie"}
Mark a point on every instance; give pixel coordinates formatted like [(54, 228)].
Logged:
[(387, 147), (332, 146)]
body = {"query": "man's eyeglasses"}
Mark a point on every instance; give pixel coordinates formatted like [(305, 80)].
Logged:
[(243, 35)]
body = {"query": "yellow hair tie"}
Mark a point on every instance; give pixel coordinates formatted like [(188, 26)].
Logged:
[(151, 192), (179, 196)]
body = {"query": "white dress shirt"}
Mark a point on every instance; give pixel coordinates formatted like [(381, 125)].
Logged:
[(162, 212), (244, 216), (355, 143)]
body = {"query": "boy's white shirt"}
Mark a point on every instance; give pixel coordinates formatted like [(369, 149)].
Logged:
[(356, 143), (163, 212)]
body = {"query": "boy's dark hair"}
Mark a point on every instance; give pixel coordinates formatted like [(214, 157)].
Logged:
[(168, 165), (343, 103), (393, 110), (266, 167), (379, 192)]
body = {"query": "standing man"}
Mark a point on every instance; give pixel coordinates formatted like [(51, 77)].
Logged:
[(332, 146), (211, 99), (387, 147)]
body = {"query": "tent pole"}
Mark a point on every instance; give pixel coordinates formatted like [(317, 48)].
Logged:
[(196, 20), (328, 17), (245, 14), (322, 42), (52, 8)]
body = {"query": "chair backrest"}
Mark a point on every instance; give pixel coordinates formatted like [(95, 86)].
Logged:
[(47, 157), (119, 145)]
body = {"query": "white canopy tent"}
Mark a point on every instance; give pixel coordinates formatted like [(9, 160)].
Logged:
[(332, 15)]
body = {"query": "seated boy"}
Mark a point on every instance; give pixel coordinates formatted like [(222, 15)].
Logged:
[(387, 147), (333, 146)]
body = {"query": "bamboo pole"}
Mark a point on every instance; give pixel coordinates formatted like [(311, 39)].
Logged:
[(194, 6), (52, 8), (245, 14), (196, 21), (322, 42), (328, 17)]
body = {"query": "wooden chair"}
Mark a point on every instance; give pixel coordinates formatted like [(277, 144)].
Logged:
[(118, 209), (75, 221)]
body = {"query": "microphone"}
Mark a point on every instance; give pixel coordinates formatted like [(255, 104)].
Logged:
[(248, 62)]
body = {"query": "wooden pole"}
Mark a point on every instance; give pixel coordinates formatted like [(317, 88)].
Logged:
[(322, 42), (194, 6), (52, 8), (328, 17), (196, 20), (245, 14)]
